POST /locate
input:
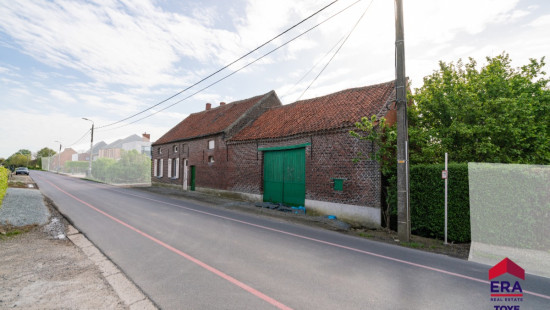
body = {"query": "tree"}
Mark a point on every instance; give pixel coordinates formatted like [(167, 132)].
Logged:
[(494, 114), (383, 140), (20, 158), (43, 152)]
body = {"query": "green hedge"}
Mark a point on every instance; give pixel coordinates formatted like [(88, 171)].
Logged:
[(132, 167), (427, 201), (76, 166), (3, 183)]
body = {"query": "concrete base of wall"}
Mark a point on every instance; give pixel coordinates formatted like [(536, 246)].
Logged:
[(176, 186), (354, 215), (230, 194)]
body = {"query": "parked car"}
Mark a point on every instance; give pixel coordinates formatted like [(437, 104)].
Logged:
[(22, 170)]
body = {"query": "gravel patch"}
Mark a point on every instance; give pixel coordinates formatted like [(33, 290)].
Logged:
[(22, 207)]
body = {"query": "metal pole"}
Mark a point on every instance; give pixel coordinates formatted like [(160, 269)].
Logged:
[(447, 177), (89, 172), (403, 210), (58, 156)]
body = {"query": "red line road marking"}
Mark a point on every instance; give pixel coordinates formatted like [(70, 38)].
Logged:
[(323, 242), (186, 256), (329, 243)]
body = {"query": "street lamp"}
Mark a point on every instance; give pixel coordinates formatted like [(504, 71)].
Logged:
[(89, 174), (58, 156)]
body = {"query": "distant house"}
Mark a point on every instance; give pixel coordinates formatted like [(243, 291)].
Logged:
[(298, 154), (58, 161), (142, 146), (193, 152), (95, 152), (133, 142)]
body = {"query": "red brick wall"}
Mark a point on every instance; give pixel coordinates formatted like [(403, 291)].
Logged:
[(239, 166), (210, 175), (330, 155)]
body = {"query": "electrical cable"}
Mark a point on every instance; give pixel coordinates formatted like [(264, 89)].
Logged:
[(347, 37), (241, 68), (223, 68), (311, 69), (83, 136)]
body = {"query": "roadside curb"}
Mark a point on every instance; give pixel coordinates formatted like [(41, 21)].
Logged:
[(128, 292)]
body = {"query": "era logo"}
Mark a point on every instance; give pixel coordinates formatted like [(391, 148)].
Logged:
[(505, 288)]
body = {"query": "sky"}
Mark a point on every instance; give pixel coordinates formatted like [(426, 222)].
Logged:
[(107, 60)]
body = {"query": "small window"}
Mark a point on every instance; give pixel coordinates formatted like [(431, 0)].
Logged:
[(175, 148), (211, 144), (210, 159), (159, 150)]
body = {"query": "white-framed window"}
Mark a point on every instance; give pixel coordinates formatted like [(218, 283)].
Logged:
[(159, 150), (210, 159), (155, 167), (173, 168), (161, 166), (175, 148), (211, 144)]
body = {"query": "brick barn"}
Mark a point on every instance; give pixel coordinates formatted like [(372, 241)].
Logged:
[(194, 153), (297, 154)]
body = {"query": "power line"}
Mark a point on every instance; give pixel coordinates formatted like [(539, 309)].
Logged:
[(223, 68), (312, 68), (243, 67), (83, 136), (331, 58)]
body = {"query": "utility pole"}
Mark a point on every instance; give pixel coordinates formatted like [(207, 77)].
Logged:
[(403, 210), (58, 156), (89, 172)]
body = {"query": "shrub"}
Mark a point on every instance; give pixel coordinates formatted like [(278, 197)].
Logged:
[(3, 183), (427, 201), (132, 167), (75, 167)]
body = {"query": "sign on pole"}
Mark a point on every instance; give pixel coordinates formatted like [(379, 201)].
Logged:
[(444, 175)]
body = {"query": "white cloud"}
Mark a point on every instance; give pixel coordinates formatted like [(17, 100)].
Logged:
[(441, 21), (542, 21), (62, 96)]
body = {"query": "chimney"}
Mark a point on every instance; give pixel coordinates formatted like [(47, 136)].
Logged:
[(208, 106), (146, 137), (222, 103)]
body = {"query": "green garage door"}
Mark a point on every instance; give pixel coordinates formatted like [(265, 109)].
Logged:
[(285, 176)]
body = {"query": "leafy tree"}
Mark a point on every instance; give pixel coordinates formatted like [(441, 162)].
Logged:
[(383, 139), (494, 114), (43, 152), (20, 158)]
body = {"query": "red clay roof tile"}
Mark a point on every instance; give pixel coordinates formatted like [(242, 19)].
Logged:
[(337, 110), (208, 122)]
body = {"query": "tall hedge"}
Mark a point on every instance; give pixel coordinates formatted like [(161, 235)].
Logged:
[(77, 166), (3, 183), (132, 167), (427, 201)]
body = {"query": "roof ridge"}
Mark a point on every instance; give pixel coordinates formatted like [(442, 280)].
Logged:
[(228, 104), (339, 92)]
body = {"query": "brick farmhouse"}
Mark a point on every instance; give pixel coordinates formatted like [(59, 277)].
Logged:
[(298, 154)]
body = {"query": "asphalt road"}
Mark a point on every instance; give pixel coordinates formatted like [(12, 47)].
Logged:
[(186, 256)]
